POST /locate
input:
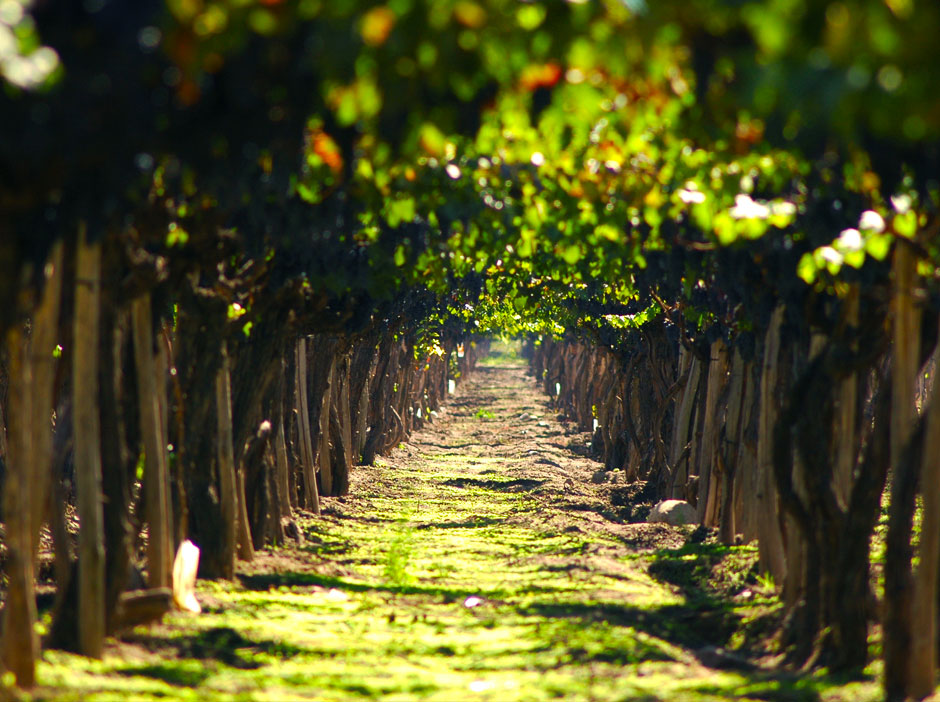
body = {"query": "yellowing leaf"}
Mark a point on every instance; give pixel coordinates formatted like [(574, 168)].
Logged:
[(432, 140), (376, 25), (469, 14)]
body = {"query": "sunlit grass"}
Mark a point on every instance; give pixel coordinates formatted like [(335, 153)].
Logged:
[(441, 586)]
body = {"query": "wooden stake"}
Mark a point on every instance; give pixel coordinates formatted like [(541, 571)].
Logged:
[(225, 457), (683, 369), (178, 521), (344, 411), (159, 555), (311, 496), (4, 451), (362, 415), (846, 411), (323, 451), (709, 480), (246, 549), (770, 542), (906, 350), (684, 429), (746, 472), (87, 446), (42, 344), (924, 634), (280, 453), (728, 452), (20, 644)]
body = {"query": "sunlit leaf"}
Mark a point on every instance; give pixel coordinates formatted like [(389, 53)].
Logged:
[(376, 25)]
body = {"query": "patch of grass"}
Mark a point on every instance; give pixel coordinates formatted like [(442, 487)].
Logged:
[(483, 413), (503, 353), (398, 557), (723, 583), (178, 673)]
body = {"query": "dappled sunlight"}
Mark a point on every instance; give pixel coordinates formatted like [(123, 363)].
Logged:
[(455, 575)]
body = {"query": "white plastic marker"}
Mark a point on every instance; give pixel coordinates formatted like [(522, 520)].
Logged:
[(184, 577)]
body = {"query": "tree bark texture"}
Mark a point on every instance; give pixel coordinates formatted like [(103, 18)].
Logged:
[(20, 643), (227, 476), (157, 506), (91, 568)]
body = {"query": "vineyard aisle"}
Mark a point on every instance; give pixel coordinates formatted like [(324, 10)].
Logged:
[(478, 562)]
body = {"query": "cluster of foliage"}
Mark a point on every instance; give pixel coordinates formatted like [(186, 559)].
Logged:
[(574, 163)]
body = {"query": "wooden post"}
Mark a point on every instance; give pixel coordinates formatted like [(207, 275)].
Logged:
[(178, 520), (42, 344), (311, 495), (87, 446), (795, 545), (246, 549), (20, 644), (683, 369), (344, 413), (709, 480), (770, 542), (924, 633), (323, 452), (282, 476), (283, 481), (3, 436), (908, 658), (225, 457), (29, 469), (159, 555), (898, 615), (745, 519), (362, 416), (727, 452), (906, 351), (846, 408), (684, 430)]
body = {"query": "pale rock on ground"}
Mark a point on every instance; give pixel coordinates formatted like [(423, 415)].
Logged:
[(673, 512)]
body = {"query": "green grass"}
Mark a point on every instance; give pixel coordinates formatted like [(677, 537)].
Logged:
[(396, 624), (503, 353), (443, 582)]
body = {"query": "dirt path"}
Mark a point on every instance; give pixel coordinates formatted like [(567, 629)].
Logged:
[(478, 562)]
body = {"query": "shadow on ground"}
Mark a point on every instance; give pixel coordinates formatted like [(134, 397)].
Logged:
[(518, 485)]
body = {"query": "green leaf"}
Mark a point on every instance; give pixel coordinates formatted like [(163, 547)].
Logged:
[(400, 255), (906, 224), (878, 246), (608, 232), (856, 259), (652, 217), (806, 268), (571, 254), (530, 16), (176, 235), (725, 228), (401, 210)]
